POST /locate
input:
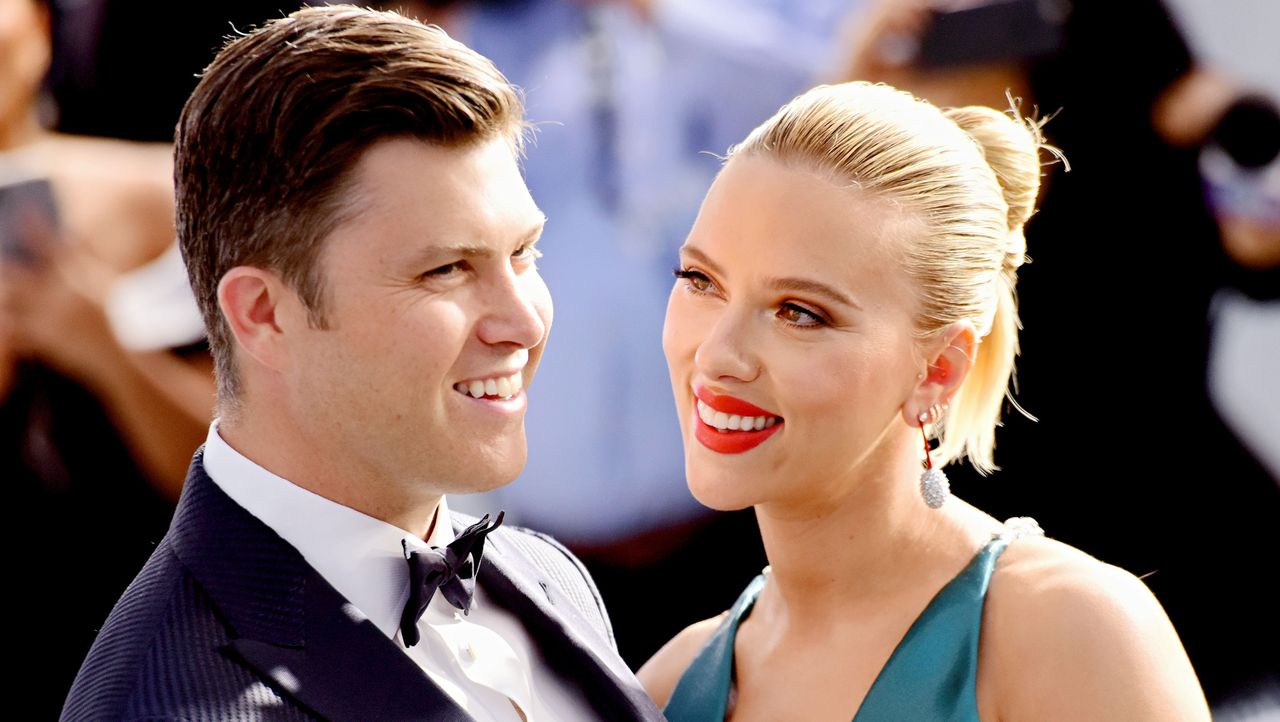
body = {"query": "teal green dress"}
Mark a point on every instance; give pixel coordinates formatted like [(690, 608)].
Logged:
[(931, 675)]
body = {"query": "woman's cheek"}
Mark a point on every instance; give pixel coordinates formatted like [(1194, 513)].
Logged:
[(679, 337), (818, 384)]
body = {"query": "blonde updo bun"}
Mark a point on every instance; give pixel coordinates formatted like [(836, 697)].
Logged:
[(970, 177)]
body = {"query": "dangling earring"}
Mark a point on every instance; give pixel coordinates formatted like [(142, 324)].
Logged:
[(934, 486)]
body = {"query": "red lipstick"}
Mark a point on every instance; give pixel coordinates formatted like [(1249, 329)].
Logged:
[(729, 442), (729, 404)]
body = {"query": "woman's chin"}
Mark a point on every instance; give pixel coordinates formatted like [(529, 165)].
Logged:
[(719, 492)]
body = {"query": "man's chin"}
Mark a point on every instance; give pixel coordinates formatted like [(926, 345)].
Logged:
[(490, 485), (494, 472)]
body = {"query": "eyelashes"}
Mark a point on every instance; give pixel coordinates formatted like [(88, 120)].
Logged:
[(695, 280), (527, 253), (800, 317), (443, 271), (789, 312)]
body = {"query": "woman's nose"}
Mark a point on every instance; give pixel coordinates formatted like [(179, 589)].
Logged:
[(726, 350)]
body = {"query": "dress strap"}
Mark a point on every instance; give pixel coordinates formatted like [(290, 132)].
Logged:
[(703, 691), (933, 672)]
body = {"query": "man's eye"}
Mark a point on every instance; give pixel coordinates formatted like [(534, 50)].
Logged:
[(696, 280), (443, 271), (527, 253)]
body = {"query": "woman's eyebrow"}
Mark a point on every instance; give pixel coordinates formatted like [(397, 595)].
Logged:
[(702, 258), (802, 285)]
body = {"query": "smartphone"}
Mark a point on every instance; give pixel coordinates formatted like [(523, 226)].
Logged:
[(28, 220), (993, 32)]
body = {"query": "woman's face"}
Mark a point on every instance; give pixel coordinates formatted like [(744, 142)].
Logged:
[(791, 305), (24, 55)]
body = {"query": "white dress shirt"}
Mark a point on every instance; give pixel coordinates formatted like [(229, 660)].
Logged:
[(485, 661)]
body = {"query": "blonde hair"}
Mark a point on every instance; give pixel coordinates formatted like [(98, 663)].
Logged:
[(969, 176)]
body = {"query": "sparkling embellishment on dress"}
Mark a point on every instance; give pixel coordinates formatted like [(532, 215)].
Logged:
[(934, 487), (1020, 526)]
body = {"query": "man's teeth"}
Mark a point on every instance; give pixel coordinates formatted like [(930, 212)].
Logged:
[(502, 388), (734, 422)]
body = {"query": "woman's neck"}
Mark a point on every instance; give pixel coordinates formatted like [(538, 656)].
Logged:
[(20, 130), (865, 545)]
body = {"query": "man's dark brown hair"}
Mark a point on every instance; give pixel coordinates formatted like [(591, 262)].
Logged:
[(266, 143)]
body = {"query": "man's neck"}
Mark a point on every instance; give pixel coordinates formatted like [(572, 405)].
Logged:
[(283, 449)]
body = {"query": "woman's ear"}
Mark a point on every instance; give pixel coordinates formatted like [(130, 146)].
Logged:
[(948, 360)]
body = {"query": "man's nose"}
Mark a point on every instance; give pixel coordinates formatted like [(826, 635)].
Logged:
[(726, 351), (515, 308)]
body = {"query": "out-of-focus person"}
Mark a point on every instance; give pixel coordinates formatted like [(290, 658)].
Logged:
[(75, 303), (1235, 125), (951, 53), (98, 416)]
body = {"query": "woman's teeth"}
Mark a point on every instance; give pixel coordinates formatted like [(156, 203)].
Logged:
[(503, 388), (727, 422)]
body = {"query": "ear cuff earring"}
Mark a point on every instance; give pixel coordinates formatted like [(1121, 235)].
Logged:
[(934, 486)]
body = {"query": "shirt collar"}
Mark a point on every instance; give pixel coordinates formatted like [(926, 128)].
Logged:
[(359, 555)]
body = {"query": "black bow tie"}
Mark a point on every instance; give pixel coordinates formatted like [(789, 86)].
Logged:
[(452, 570)]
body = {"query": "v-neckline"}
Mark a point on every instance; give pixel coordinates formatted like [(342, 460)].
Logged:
[(898, 647)]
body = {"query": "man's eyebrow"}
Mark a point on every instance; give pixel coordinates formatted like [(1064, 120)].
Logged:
[(802, 285), (434, 254), (535, 229)]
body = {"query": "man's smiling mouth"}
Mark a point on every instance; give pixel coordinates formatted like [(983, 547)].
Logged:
[(503, 387)]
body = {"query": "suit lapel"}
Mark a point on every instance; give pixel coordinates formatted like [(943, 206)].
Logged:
[(289, 624), (569, 643)]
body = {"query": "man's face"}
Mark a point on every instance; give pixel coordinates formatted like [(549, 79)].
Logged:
[(429, 288)]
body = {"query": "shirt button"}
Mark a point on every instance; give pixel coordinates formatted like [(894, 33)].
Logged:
[(469, 652)]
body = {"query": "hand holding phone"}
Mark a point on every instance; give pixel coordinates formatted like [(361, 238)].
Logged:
[(997, 31), (28, 221)]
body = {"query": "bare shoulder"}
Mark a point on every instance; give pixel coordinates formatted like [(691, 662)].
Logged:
[(133, 157), (116, 196), (1066, 636), (660, 674)]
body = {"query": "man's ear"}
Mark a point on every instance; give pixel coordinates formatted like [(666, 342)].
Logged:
[(948, 360), (254, 302)]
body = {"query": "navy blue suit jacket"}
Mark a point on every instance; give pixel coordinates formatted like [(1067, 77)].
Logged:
[(227, 621)]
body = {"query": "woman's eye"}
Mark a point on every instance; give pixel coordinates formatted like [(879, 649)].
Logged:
[(697, 281), (800, 316)]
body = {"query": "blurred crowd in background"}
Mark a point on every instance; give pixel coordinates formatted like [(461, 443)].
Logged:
[(1151, 306)]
